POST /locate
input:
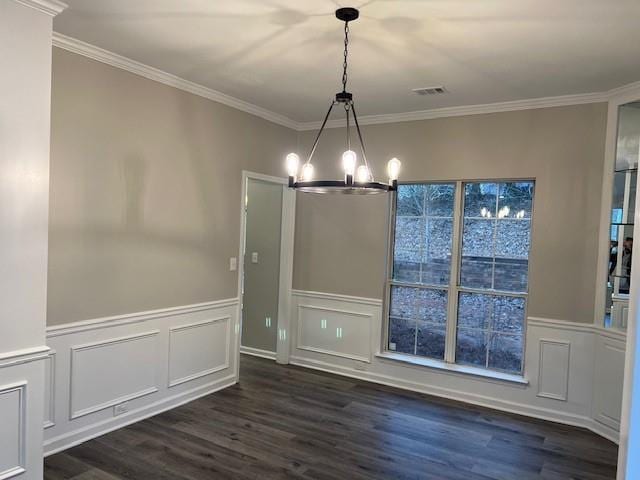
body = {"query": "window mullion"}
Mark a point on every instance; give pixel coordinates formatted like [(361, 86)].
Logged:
[(456, 254)]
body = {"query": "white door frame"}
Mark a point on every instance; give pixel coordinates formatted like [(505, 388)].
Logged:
[(628, 465), (287, 231)]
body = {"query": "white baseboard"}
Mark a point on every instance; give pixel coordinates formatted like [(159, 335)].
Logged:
[(81, 435), (562, 367), (482, 401), (256, 352)]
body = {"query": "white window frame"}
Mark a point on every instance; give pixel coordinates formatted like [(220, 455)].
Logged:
[(454, 288)]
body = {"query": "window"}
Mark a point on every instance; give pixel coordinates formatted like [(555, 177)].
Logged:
[(459, 276)]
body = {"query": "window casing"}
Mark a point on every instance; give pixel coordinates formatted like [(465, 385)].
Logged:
[(458, 272)]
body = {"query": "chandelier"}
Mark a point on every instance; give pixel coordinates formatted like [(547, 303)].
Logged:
[(358, 179)]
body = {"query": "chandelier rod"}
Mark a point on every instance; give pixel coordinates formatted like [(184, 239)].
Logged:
[(364, 153), (324, 122)]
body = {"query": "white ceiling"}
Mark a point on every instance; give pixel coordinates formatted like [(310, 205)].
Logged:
[(286, 55)]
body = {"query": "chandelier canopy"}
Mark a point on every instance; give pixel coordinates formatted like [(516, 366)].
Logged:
[(358, 179)]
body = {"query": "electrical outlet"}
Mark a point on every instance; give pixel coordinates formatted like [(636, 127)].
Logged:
[(267, 322), (233, 264), (120, 409), (254, 257)]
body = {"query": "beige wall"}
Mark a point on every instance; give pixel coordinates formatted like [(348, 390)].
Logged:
[(340, 241), (145, 191)]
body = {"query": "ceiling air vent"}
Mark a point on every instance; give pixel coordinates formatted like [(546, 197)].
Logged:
[(430, 90)]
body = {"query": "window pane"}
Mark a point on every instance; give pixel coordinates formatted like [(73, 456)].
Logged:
[(431, 340), (471, 348), (511, 275), (474, 311), (508, 314), (505, 353), (437, 253), (496, 241), (480, 200), (424, 233), (517, 198), (440, 200), (410, 200), (496, 319), (402, 335), (512, 238), (421, 312)]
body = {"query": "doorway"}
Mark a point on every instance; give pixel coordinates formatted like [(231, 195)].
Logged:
[(266, 265)]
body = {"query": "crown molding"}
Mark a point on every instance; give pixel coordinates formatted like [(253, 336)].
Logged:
[(50, 7), (105, 56), (510, 106)]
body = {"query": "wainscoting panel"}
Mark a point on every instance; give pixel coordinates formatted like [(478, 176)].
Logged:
[(342, 333), (12, 429), (553, 378), (49, 390), (109, 372), (609, 376), (112, 371), (198, 349), (558, 383)]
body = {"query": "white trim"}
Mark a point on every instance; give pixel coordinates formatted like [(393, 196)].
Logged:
[(117, 320), (287, 230), (50, 418), (257, 352), (511, 106), (553, 396), (208, 371), (337, 297), (73, 414), (454, 368), (21, 388), (110, 58), (334, 353), (26, 355), (577, 327), (50, 7), (119, 61), (76, 437)]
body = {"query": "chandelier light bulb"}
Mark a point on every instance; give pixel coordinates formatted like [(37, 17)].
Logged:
[(349, 159), (307, 172), (293, 160), (393, 168), (363, 175)]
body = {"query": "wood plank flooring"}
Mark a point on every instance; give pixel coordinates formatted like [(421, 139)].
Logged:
[(289, 422)]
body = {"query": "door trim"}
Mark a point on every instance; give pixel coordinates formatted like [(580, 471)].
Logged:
[(287, 232)]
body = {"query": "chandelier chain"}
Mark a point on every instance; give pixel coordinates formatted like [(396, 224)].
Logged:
[(346, 53)]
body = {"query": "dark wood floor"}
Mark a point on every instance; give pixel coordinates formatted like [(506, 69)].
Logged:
[(289, 422)]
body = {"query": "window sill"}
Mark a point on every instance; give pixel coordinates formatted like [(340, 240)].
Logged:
[(463, 369)]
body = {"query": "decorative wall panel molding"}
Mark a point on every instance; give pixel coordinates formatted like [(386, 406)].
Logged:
[(609, 376), (332, 331), (198, 349), (49, 390), (553, 373), (113, 371), (13, 422), (141, 363)]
